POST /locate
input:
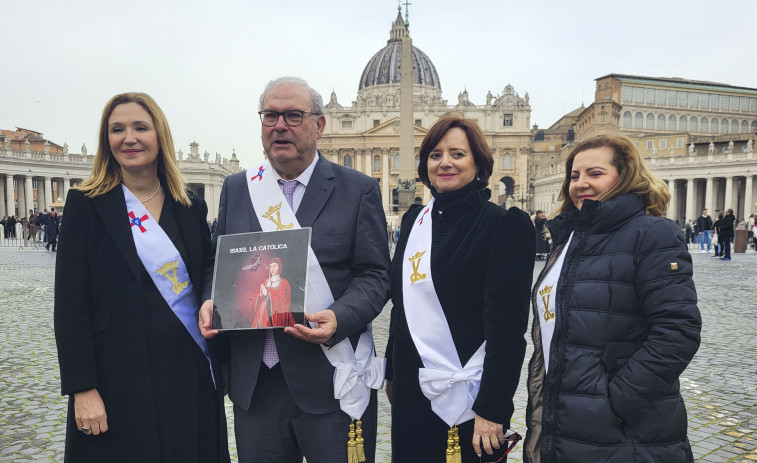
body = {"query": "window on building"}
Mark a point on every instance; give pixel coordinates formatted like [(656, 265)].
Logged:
[(347, 161), (714, 101), (734, 126), (536, 167), (671, 98), (507, 161), (704, 100), (724, 126), (680, 143), (508, 120), (714, 125), (744, 127), (376, 163), (753, 105), (683, 99), (660, 97), (418, 123), (627, 119), (627, 94), (650, 144), (602, 118), (735, 103), (693, 100), (649, 99), (672, 122), (754, 126), (638, 95), (663, 144), (396, 161), (346, 124), (704, 125), (638, 122), (661, 122), (376, 122), (417, 162), (724, 100), (744, 103), (682, 123), (693, 124), (650, 121)]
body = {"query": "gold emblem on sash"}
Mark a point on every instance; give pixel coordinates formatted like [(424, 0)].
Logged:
[(545, 293), (276, 221), (416, 261), (168, 270)]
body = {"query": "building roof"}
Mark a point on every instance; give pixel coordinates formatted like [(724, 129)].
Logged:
[(384, 67), (677, 81)]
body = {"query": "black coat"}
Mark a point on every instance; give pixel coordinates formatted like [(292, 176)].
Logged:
[(627, 326), (725, 228), (105, 304), (482, 259)]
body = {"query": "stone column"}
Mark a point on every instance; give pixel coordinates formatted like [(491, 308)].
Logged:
[(2, 198), (66, 187), (728, 204), (386, 194), (748, 205), (673, 206), (48, 192), (29, 196), (691, 212), (9, 198), (708, 204), (210, 195)]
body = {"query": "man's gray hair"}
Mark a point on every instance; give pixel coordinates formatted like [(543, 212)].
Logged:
[(317, 108)]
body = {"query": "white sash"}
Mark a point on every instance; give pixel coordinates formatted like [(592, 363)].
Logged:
[(449, 386), (165, 267), (355, 372)]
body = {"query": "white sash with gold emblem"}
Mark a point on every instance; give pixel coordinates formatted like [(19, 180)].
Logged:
[(165, 267), (451, 387), (356, 372), (546, 302)]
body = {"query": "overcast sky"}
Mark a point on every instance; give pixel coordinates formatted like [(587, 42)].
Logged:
[(205, 63)]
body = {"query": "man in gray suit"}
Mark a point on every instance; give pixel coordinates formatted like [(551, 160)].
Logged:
[(281, 383)]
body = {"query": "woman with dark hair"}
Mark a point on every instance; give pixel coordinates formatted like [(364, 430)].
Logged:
[(128, 279), (726, 233), (716, 238), (461, 275), (615, 318)]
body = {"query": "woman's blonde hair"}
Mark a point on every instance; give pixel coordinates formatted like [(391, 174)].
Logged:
[(633, 175), (106, 173)]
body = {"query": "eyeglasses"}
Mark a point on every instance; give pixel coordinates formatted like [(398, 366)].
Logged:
[(292, 118)]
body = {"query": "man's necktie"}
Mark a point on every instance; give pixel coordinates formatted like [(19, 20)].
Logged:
[(270, 355)]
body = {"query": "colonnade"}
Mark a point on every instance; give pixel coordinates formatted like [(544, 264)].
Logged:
[(689, 196), (23, 193)]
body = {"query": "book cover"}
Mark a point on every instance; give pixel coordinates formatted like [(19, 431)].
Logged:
[(259, 279)]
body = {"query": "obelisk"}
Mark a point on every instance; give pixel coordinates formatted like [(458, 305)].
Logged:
[(407, 173)]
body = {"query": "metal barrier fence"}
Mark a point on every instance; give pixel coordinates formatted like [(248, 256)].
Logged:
[(22, 237)]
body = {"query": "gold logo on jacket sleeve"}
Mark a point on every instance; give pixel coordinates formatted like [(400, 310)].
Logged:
[(545, 293), (168, 270), (416, 262), (277, 220)]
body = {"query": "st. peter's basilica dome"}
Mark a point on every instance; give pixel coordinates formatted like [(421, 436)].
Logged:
[(384, 67)]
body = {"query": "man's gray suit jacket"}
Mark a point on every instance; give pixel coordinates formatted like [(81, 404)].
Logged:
[(343, 208)]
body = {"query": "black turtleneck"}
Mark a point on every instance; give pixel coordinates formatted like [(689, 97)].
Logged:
[(450, 206)]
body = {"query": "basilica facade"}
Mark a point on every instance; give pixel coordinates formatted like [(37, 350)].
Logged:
[(365, 134)]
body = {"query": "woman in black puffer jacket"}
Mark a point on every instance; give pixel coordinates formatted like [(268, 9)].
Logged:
[(616, 320)]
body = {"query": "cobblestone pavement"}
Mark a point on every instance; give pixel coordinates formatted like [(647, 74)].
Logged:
[(718, 386)]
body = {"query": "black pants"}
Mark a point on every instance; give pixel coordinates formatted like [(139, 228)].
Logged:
[(726, 249), (276, 430)]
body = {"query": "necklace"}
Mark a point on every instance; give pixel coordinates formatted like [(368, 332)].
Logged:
[(152, 195)]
